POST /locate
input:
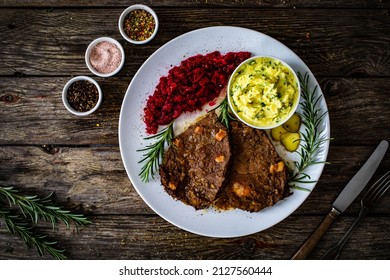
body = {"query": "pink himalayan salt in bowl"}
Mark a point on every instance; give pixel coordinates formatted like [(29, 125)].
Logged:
[(104, 57)]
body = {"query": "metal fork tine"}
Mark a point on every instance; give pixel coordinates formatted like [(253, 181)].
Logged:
[(374, 193), (383, 189), (378, 189)]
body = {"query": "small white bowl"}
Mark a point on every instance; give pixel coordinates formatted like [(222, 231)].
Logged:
[(126, 12), (88, 53), (248, 121), (65, 93)]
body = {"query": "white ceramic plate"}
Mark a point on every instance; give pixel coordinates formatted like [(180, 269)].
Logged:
[(208, 222)]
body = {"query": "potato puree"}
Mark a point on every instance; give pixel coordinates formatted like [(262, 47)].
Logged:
[(263, 91)]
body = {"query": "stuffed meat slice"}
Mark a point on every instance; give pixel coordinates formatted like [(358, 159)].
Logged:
[(258, 176), (195, 165)]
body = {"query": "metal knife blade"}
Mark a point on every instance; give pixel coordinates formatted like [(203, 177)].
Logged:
[(361, 178), (345, 198)]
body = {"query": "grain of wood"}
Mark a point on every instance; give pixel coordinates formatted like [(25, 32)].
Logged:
[(360, 48), (93, 179), (43, 148), (150, 237), (202, 3), (37, 103)]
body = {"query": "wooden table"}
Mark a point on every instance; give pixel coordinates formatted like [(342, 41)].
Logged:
[(43, 148)]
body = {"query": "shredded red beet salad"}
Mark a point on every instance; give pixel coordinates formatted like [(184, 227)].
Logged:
[(187, 87)]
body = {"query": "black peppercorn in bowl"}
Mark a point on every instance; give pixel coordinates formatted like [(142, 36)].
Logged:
[(138, 24), (82, 95)]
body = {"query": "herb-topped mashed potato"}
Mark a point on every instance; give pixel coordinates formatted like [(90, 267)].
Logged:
[(263, 92)]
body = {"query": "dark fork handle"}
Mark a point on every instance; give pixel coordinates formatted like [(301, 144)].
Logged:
[(317, 234), (334, 252)]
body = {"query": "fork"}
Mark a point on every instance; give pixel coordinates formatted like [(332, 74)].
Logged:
[(370, 198)]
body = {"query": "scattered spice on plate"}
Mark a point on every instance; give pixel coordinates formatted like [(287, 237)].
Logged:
[(139, 25), (105, 57), (82, 96)]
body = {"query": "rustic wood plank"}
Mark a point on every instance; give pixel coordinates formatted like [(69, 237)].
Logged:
[(43, 148), (53, 42), (37, 103), (90, 179), (201, 3), (93, 179), (356, 107), (150, 237)]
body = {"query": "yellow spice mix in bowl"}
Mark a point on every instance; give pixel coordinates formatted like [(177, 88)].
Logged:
[(138, 24), (263, 92)]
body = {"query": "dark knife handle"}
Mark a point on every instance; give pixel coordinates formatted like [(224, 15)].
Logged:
[(317, 234)]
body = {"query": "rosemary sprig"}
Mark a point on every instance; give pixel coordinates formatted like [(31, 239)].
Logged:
[(27, 211), (154, 152), (41, 208), (312, 137), (224, 115), (16, 225)]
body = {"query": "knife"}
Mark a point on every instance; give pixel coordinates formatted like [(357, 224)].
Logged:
[(345, 198)]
